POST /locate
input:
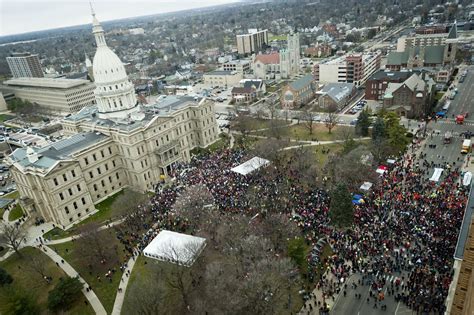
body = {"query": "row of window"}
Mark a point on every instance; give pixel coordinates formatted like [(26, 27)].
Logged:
[(74, 204), (70, 192), (99, 169), (94, 155), (65, 177), (102, 182)]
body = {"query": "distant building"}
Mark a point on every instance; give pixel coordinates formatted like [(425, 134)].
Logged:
[(240, 66), (60, 96), (410, 98), (290, 57), (136, 31), (248, 91), (3, 103), (335, 95), (431, 29), (25, 65), (222, 78), (435, 38), (356, 68), (298, 93), (252, 42), (377, 83), (267, 66), (318, 51), (425, 51)]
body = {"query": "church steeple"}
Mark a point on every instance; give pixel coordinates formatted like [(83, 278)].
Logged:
[(97, 30)]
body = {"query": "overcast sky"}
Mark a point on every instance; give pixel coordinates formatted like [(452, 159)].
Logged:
[(21, 16)]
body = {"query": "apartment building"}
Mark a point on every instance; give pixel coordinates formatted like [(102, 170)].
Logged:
[(222, 78), (59, 96), (348, 69), (433, 37), (252, 42), (25, 65)]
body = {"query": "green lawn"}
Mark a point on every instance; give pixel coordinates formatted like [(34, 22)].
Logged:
[(15, 213), (321, 157), (4, 117), (250, 123), (13, 195), (26, 278), (301, 132), (57, 233), (439, 95), (104, 289), (105, 211), (277, 37)]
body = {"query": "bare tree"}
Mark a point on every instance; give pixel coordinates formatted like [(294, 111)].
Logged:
[(128, 201), (12, 235), (332, 119), (308, 120), (149, 296), (94, 244), (37, 263), (191, 203)]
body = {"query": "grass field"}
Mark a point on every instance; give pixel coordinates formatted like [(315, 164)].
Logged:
[(301, 132), (15, 213), (13, 195), (255, 124), (26, 278), (103, 288), (4, 117), (105, 211)]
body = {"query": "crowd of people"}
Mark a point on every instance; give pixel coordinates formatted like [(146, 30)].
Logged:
[(407, 226)]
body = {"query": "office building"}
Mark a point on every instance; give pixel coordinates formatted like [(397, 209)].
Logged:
[(114, 144), (25, 65), (348, 69), (253, 42), (58, 97)]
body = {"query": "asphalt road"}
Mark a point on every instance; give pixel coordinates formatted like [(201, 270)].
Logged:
[(441, 155)]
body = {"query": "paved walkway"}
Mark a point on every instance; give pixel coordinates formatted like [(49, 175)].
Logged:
[(71, 272), (120, 296)]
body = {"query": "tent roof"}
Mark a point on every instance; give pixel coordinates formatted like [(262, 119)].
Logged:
[(250, 165), (178, 248)]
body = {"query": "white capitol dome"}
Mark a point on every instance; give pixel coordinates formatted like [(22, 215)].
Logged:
[(114, 93)]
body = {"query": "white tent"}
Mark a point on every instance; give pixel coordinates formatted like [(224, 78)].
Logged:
[(436, 174), (251, 165), (181, 249), (366, 186), (467, 179)]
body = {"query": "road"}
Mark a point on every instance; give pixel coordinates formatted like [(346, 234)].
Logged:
[(443, 154)]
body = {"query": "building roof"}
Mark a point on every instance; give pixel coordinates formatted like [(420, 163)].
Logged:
[(242, 90), (390, 75), (220, 72), (414, 83), (464, 232), (337, 91), (268, 59), (61, 150), (453, 32), (432, 55), (57, 83), (252, 83), (302, 82), (178, 248)]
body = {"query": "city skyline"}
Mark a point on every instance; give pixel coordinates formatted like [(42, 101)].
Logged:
[(53, 14)]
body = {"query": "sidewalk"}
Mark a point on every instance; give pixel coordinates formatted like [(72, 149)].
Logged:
[(90, 295), (120, 296)]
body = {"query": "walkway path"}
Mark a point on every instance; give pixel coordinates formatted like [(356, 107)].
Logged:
[(314, 143), (71, 272), (120, 296)]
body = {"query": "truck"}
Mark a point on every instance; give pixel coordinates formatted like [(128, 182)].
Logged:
[(447, 137), (446, 106), (466, 146)]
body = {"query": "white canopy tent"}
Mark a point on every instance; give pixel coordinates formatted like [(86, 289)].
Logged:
[(366, 186), (178, 248), (436, 174), (467, 179), (251, 165)]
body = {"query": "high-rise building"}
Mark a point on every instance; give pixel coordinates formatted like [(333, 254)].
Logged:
[(349, 69), (25, 65), (114, 144), (252, 42)]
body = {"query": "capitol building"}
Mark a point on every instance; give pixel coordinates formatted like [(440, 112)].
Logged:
[(113, 144)]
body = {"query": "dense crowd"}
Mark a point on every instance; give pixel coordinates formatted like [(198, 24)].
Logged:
[(407, 226)]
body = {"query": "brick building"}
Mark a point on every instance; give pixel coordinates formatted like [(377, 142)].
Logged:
[(377, 84)]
